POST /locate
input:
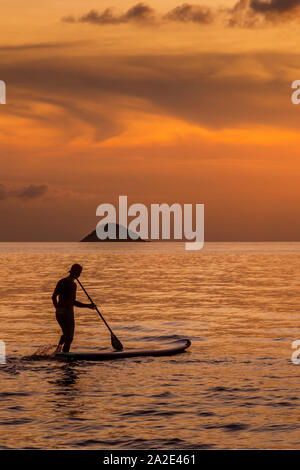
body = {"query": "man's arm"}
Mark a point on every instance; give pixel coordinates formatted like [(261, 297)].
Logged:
[(82, 305)]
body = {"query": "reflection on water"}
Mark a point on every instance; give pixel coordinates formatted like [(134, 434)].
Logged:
[(67, 380), (235, 388)]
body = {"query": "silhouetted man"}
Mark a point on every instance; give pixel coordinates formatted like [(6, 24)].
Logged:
[(66, 293)]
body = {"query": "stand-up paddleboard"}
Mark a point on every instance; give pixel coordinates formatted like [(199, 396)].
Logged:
[(175, 348)]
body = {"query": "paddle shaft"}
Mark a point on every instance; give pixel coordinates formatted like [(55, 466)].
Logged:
[(95, 306)]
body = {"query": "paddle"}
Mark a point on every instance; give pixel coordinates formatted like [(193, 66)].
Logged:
[(115, 342)]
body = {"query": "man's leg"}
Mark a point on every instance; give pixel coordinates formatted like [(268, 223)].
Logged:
[(60, 344), (69, 332), (67, 343), (61, 321)]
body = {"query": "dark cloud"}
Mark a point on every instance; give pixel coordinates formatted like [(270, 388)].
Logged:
[(245, 13), (140, 13), (187, 13), (29, 192), (242, 15), (275, 6), (249, 13), (143, 14), (33, 191)]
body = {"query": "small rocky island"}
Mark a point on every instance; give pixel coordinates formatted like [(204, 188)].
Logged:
[(92, 237)]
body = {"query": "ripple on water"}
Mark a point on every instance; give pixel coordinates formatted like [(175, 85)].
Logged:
[(233, 389), (14, 394), (152, 411), (140, 443), (15, 422), (231, 427)]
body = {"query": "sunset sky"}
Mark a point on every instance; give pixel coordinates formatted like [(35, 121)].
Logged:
[(160, 101)]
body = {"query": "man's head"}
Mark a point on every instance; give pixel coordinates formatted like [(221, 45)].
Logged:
[(75, 271)]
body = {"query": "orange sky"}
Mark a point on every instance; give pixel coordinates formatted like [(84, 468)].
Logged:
[(169, 105)]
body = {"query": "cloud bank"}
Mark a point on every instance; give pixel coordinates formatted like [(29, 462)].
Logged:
[(143, 14), (170, 85), (26, 193), (187, 13), (245, 13), (140, 13), (278, 7)]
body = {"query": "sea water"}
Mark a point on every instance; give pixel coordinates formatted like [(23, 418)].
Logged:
[(236, 387)]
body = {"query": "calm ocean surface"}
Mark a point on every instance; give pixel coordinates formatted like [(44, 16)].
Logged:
[(236, 387)]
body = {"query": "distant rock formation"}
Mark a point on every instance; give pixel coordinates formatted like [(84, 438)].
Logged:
[(120, 229)]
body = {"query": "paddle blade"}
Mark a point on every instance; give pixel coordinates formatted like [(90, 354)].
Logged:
[(116, 343)]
